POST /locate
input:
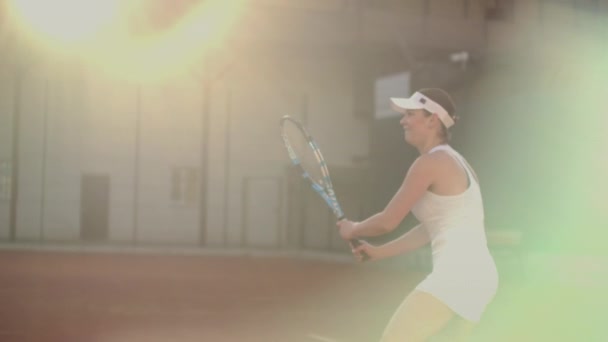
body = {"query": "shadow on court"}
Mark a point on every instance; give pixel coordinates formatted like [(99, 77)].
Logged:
[(55, 296)]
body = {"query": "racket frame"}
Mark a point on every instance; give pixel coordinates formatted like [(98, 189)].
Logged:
[(325, 188)]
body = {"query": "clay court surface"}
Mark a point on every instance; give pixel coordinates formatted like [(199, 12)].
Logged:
[(111, 297)]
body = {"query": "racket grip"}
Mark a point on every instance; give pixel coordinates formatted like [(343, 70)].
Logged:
[(355, 243)]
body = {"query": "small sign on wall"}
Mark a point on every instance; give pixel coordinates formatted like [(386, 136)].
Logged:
[(395, 85), (5, 180), (184, 185)]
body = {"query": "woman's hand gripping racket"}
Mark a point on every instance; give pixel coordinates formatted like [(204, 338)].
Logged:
[(305, 155)]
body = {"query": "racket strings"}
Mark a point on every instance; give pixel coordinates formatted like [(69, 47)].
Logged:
[(305, 151)]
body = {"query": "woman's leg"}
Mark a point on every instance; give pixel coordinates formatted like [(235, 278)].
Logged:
[(457, 330), (419, 317), (463, 330)]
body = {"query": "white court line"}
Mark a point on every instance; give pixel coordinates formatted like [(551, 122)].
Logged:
[(176, 250), (320, 338)]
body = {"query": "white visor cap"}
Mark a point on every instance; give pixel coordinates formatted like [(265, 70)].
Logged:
[(419, 101)]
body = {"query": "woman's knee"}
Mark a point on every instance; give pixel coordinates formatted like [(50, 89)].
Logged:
[(412, 331), (411, 335), (461, 330)]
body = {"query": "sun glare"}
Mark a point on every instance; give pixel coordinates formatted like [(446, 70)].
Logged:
[(101, 34), (64, 22), (153, 57)]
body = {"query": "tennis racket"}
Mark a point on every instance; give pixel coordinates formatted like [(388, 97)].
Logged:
[(306, 156)]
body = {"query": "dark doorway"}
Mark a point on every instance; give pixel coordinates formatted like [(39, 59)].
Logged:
[(94, 207)]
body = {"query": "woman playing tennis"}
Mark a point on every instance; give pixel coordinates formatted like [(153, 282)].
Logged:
[(442, 191)]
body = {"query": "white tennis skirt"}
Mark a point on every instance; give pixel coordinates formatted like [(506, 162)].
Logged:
[(465, 280)]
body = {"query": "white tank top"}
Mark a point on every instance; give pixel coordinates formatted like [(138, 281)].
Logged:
[(455, 221)]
